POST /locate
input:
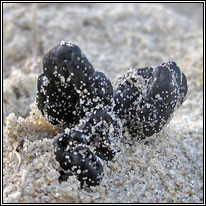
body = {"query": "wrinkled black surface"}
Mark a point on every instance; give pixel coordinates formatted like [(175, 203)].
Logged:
[(67, 89), (151, 113), (72, 94), (78, 158), (61, 102)]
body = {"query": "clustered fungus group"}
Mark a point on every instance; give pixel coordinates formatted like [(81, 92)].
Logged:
[(73, 96)]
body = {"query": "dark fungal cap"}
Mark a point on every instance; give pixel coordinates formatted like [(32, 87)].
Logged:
[(146, 98), (66, 59), (78, 158), (70, 86), (66, 64)]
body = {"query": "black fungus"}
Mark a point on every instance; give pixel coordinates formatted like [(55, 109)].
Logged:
[(146, 98), (98, 129), (72, 95), (69, 86), (101, 129), (74, 156)]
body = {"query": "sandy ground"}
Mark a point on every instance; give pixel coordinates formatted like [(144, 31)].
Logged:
[(166, 167)]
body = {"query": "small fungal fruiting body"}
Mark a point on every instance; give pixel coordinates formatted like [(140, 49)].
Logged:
[(146, 98), (72, 154), (74, 96), (69, 86)]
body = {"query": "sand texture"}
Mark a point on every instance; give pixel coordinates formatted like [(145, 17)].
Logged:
[(164, 168)]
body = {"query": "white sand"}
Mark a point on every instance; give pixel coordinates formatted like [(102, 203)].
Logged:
[(166, 167)]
